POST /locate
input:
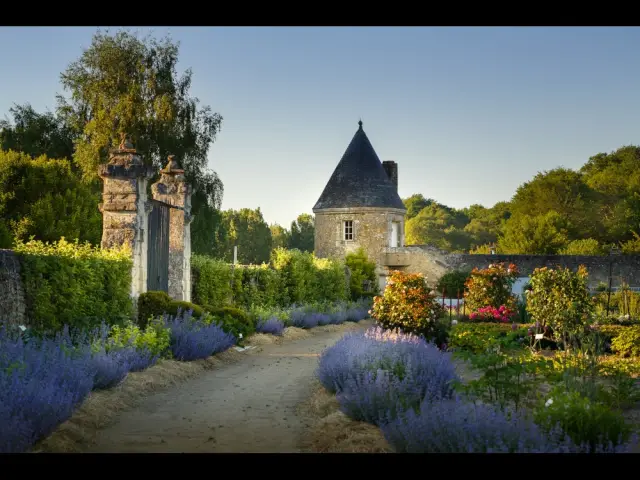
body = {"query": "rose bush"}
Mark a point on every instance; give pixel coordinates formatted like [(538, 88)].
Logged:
[(501, 314)]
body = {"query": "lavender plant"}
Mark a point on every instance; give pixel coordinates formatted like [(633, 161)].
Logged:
[(192, 339), (458, 426), (110, 368), (378, 374), (42, 380), (272, 326)]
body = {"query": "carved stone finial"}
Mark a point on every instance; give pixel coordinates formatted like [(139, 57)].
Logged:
[(172, 166), (125, 142)]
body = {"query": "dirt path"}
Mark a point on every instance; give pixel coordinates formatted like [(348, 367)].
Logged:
[(249, 406)]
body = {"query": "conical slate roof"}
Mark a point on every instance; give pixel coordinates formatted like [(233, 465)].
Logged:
[(359, 180)]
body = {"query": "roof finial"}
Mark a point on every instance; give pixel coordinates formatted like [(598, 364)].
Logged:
[(360, 123)]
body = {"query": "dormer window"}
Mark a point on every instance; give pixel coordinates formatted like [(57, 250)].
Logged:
[(347, 228)]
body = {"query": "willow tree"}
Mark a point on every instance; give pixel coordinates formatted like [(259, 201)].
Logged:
[(124, 84)]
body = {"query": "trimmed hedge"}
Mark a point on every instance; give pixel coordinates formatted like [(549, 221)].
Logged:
[(157, 303), (68, 283), (293, 277)]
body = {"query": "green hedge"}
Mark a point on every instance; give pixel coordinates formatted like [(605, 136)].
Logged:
[(75, 284), (292, 277)]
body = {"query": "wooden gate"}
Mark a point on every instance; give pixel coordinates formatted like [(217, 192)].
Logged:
[(158, 253)]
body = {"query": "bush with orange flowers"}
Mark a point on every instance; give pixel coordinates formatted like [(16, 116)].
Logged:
[(408, 304), (491, 287)]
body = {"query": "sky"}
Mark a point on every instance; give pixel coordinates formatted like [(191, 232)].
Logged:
[(469, 114)]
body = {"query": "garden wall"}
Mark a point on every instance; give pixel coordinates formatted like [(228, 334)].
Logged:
[(12, 300), (433, 263)]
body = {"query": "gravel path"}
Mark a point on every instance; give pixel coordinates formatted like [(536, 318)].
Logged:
[(249, 406)]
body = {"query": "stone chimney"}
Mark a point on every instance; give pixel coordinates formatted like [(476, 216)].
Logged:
[(391, 168)]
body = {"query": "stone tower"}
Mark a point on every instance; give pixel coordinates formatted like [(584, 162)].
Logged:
[(360, 206)]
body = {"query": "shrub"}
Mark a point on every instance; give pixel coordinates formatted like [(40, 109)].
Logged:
[(407, 304), (477, 337), (193, 339), (233, 320), (42, 380), (491, 287), (179, 305), (255, 285), (362, 368), (361, 270), (453, 283), (211, 281), (154, 339), (305, 278), (560, 299), (74, 284), (272, 326), (627, 342), (583, 421), (152, 304)]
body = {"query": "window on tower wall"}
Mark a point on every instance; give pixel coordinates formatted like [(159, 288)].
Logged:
[(348, 229)]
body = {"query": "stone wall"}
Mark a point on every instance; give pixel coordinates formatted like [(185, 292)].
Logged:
[(371, 231), (12, 300), (433, 263)]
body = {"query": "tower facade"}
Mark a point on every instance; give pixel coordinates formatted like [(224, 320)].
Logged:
[(360, 206)]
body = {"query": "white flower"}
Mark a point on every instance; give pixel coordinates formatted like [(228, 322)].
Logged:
[(240, 335), (548, 402), (454, 322)]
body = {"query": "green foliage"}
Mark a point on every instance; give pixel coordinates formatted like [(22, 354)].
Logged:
[(506, 380), (304, 277), (583, 420), (330, 284), (155, 338), (361, 269), (477, 338), (232, 320), (491, 287), (212, 281), (627, 342), (587, 246), (564, 192), (255, 285), (293, 277), (183, 306), (280, 236), (407, 304), (560, 299), (74, 284), (535, 235), (247, 230), (453, 283), (152, 304), (43, 198), (302, 235), (36, 134)]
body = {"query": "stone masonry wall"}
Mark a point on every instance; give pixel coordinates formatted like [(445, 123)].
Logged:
[(12, 300), (433, 263), (371, 231)]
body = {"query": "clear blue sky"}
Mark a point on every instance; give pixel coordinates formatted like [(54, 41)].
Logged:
[(468, 113)]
